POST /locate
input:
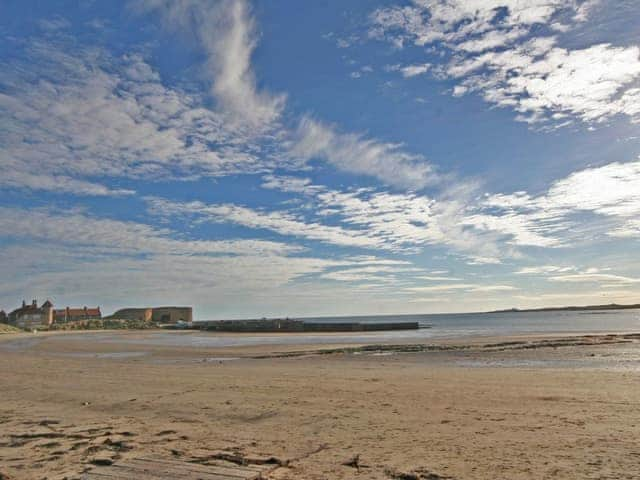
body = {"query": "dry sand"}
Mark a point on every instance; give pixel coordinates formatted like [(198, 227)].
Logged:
[(405, 416)]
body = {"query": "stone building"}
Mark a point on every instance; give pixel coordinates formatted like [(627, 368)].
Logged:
[(32, 316), (76, 314), (166, 315), (172, 315)]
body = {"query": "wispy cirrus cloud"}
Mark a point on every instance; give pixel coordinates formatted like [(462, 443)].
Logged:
[(80, 116), (357, 154), (591, 277), (83, 118), (507, 51), (604, 201), (455, 21), (412, 221), (630, 229), (21, 179), (544, 82), (603, 277), (543, 269), (409, 71), (120, 237), (132, 263), (369, 219), (471, 288), (610, 192), (227, 33), (384, 274), (283, 223)]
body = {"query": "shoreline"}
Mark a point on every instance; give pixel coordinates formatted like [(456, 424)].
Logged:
[(452, 342), (507, 344)]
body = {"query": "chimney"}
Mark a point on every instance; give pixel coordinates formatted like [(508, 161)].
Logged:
[(35, 303), (24, 304)]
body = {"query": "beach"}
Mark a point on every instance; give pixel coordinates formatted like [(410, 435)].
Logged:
[(520, 407)]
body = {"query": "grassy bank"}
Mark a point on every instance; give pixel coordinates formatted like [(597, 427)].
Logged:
[(104, 324), (4, 328)]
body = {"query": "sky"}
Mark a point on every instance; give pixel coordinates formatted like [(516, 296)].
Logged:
[(339, 157)]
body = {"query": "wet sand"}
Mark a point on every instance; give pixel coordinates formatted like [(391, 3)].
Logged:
[(535, 409)]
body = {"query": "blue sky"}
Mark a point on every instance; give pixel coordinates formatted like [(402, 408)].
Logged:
[(345, 157)]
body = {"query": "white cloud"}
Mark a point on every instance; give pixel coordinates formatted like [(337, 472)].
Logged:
[(409, 71), (491, 39), (75, 119), (471, 288), (381, 274), (357, 154), (291, 184), (492, 47), (283, 223), (403, 223), (71, 118), (435, 278), (594, 277), (543, 269), (373, 260), (533, 229), (611, 192), (494, 288), (17, 177), (226, 31), (414, 70), (454, 21), (410, 221), (585, 9), (362, 71), (603, 201), (441, 288), (612, 189), (630, 229), (591, 84), (119, 237), (129, 262), (572, 274)]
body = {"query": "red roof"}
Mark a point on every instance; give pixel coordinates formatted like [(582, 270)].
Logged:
[(78, 312)]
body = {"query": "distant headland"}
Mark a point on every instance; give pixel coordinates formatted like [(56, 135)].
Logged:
[(610, 306)]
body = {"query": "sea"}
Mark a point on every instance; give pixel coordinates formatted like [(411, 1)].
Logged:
[(509, 322), (433, 326)]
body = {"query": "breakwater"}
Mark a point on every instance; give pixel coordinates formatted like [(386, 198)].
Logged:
[(288, 325)]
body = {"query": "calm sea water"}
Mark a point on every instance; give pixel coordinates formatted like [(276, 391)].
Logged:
[(441, 326), (506, 323)]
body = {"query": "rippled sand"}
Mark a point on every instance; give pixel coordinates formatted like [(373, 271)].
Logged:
[(564, 410)]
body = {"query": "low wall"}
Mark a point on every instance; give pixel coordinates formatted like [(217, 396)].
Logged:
[(286, 325)]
